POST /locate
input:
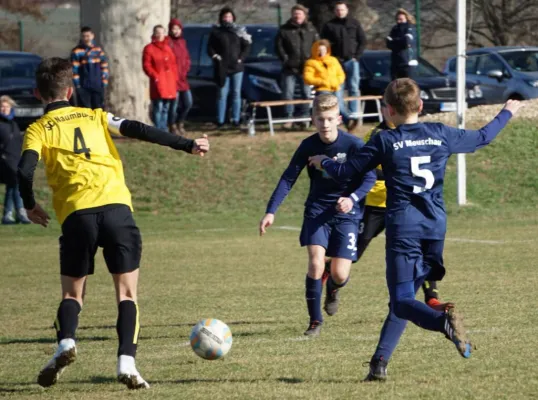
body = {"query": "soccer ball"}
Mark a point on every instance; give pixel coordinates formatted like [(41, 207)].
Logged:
[(211, 339)]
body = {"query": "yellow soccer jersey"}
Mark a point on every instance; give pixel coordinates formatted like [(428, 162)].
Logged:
[(82, 164), (377, 196)]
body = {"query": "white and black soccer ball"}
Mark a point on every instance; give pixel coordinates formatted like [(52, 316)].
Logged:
[(211, 339)]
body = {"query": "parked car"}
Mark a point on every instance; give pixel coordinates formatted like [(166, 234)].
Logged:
[(263, 70), (503, 72), (17, 80), (438, 92)]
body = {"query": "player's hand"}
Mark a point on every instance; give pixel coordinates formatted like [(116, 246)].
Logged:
[(315, 161), (344, 205), (513, 106), (266, 222), (38, 216), (201, 146)]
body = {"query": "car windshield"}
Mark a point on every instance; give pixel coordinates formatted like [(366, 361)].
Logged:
[(524, 61), (18, 67), (379, 66), (263, 44)]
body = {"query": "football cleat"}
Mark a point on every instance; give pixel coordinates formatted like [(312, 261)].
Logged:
[(128, 374), (314, 329), (455, 332), (378, 371), (65, 354)]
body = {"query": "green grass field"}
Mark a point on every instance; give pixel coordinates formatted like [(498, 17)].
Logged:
[(203, 258)]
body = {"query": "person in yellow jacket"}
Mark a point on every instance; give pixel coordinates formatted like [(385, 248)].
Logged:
[(373, 222), (322, 70)]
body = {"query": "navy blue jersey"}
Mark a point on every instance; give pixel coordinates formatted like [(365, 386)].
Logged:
[(325, 191), (414, 158)]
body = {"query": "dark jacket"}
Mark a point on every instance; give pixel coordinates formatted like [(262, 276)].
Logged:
[(293, 44), (232, 44), (403, 43), (10, 150), (90, 67), (346, 36)]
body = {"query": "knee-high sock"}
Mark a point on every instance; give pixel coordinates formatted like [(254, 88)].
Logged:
[(392, 330), (67, 319), (430, 290), (313, 299), (127, 327)]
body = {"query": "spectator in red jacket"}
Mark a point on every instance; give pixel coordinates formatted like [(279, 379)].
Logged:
[(183, 102), (159, 63)]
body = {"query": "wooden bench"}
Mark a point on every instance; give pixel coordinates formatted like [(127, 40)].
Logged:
[(279, 103)]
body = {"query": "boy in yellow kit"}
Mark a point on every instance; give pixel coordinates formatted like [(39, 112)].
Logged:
[(92, 204)]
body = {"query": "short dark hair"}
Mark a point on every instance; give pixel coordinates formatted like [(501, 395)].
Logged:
[(157, 27), (53, 77), (340, 3), (86, 29)]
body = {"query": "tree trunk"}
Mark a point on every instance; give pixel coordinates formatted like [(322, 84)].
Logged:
[(123, 28)]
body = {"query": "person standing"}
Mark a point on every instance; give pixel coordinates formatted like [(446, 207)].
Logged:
[(228, 46), (10, 151), (90, 71), (293, 43), (348, 42), (159, 63), (402, 41), (182, 105)]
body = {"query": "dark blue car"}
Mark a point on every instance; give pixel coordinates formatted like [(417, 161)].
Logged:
[(502, 72), (17, 80)]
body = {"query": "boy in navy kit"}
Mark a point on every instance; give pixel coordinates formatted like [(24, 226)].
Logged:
[(414, 158), (332, 210)]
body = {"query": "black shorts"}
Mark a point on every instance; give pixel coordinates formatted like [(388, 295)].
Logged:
[(112, 228), (372, 224)]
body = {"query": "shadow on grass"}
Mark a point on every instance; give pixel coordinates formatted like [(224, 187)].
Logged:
[(7, 341), (182, 324)]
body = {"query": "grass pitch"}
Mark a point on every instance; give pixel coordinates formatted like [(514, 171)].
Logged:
[(202, 258)]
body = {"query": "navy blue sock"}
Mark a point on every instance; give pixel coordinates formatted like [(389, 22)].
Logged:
[(313, 299), (392, 330), (332, 285), (420, 314)]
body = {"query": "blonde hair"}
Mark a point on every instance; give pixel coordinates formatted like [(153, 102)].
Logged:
[(8, 100), (410, 18), (325, 102), (403, 95)]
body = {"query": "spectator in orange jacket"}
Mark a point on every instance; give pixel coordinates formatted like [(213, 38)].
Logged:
[(322, 70), (159, 63)]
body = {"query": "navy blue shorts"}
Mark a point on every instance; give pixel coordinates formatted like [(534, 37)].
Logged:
[(337, 236), (414, 259)]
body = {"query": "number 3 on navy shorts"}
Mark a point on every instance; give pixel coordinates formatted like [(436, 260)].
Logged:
[(352, 242)]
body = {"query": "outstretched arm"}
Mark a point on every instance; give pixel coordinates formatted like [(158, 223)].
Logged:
[(146, 133), (467, 141)]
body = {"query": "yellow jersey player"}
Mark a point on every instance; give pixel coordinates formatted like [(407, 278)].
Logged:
[(373, 222), (92, 204)]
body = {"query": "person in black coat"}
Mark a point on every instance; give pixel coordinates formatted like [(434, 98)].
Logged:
[(402, 40), (293, 45), (348, 42), (228, 45), (10, 152)]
